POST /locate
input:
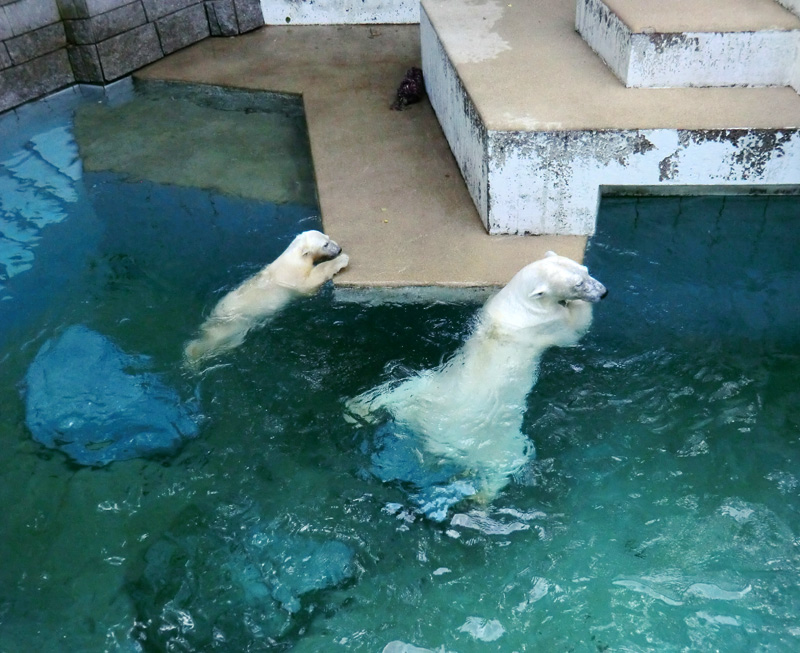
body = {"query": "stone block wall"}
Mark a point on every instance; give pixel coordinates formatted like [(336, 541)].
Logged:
[(46, 45), (33, 51)]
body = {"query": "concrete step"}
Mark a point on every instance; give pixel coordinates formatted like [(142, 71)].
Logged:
[(389, 188), (681, 43), (541, 127)]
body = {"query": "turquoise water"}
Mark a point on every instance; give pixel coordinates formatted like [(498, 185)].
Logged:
[(661, 512)]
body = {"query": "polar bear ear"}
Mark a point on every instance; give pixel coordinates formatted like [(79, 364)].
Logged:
[(539, 291), (550, 253)]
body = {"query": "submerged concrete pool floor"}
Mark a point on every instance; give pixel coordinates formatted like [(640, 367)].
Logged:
[(390, 191)]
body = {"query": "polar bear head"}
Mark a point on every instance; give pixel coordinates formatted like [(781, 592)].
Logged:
[(560, 279), (550, 299), (314, 246)]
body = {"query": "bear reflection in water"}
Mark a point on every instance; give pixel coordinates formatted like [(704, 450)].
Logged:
[(463, 419)]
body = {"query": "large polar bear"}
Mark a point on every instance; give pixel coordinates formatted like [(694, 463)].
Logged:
[(310, 260), (467, 413)]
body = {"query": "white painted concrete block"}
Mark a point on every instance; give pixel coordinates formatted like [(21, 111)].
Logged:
[(712, 59), (794, 76), (457, 115), (674, 60), (551, 182), (546, 179), (606, 34), (791, 5), (335, 12)]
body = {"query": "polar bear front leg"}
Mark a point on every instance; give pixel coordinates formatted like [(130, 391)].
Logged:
[(326, 270)]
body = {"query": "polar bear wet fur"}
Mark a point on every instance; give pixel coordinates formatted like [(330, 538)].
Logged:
[(469, 410), (308, 262)]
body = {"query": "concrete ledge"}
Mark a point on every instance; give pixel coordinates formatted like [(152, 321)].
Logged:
[(340, 12), (539, 125), (389, 188), (647, 49), (791, 5)]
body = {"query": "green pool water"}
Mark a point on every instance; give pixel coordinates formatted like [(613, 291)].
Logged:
[(661, 512)]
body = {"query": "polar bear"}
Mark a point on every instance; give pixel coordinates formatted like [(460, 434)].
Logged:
[(308, 262), (467, 413)]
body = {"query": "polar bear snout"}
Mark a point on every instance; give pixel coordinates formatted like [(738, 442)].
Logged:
[(592, 290), (329, 251)]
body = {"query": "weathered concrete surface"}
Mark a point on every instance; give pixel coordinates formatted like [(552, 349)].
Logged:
[(566, 172), (752, 43), (675, 16), (389, 189), (791, 5), (332, 12), (539, 125)]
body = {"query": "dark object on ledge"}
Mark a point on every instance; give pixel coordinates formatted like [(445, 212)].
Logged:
[(411, 90)]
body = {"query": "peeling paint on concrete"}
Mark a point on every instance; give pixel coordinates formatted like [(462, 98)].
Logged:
[(712, 59), (668, 168), (665, 42), (548, 180), (655, 59), (560, 174), (457, 115), (754, 149), (606, 34)]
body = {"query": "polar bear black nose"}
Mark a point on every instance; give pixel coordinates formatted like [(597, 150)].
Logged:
[(605, 294)]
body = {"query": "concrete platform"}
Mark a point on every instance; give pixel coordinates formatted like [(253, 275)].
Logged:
[(679, 43), (389, 188), (540, 125), (534, 128), (703, 15)]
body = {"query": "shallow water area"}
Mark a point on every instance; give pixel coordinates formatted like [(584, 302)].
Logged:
[(660, 512)]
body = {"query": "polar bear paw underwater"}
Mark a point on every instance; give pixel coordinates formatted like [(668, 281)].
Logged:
[(307, 263), (467, 413)]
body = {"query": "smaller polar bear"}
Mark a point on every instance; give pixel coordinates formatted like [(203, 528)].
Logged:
[(310, 260), (468, 412)]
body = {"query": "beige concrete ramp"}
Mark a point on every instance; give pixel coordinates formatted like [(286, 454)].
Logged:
[(390, 190)]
